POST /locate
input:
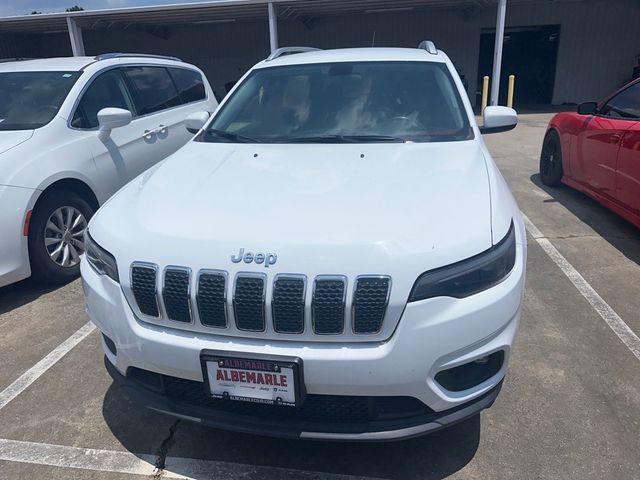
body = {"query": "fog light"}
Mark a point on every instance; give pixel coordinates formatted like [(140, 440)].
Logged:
[(472, 373), (483, 360)]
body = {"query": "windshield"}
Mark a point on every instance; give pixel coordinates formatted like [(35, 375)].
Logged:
[(344, 102), (30, 100)]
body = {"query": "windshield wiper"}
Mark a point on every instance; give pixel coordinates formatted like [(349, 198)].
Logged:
[(234, 137), (338, 139), (372, 138)]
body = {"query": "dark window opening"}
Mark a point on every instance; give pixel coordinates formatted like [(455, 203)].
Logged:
[(152, 89), (189, 83)]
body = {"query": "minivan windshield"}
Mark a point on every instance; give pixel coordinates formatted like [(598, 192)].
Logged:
[(343, 102), (30, 100)]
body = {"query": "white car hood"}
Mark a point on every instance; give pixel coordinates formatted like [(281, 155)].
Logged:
[(13, 138), (349, 208)]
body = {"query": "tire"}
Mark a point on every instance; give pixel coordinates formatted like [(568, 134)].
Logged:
[(551, 169), (48, 232)]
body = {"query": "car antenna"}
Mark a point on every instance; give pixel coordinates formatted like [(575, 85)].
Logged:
[(373, 39)]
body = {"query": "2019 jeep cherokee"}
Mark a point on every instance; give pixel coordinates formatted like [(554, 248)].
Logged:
[(335, 255)]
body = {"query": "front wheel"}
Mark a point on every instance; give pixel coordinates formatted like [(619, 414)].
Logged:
[(551, 170), (56, 236)]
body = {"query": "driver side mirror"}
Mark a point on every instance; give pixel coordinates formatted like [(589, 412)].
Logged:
[(588, 108), (194, 122), (110, 118), (499, 119)]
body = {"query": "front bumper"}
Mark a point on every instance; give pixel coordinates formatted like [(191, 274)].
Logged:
[(14, 249), (188, 401), (432, 335)]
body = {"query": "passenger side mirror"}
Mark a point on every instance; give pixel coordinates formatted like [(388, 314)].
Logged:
[(588, 108), (110, 118), (194, 122), (499, 119)]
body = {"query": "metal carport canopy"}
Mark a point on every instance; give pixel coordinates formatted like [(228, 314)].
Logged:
[(225, 10), (200, 12)]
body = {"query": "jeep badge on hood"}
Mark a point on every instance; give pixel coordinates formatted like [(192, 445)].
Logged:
[(259, 258)]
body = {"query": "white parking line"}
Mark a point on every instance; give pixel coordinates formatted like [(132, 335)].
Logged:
[(31, 375), (140, 464), (608, 314)]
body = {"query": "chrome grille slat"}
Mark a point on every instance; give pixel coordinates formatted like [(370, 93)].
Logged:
[(328, 304), (248, 301), (144, 288), (287, 303), (211, 297), (370, 299), (176, 294)]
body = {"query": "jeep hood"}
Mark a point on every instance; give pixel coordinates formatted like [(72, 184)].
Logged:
[(348, 208)]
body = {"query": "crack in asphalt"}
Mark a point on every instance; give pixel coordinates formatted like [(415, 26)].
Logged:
[(164, 450)]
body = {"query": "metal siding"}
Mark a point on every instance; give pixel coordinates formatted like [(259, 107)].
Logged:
[(450, 29), (598, 38), (223, 51)]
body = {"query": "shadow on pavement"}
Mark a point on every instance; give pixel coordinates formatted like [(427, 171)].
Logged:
[(611, 227), (433, 456), (19, 294)]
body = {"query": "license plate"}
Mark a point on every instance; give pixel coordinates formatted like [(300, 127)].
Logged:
[(261, 380)]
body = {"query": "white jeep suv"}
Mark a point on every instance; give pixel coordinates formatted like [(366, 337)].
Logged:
[(72, 132), (335, 255)]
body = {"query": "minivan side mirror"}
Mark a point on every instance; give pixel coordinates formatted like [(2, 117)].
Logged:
[(110, 118), (499, 119), (194, 122), (588, 108)]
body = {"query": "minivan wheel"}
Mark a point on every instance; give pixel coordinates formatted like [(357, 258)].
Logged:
[(551, 160), (56, 235)]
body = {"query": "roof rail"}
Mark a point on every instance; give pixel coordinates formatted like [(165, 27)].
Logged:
[(14, 59), (107, 56), (281, 52), (429, 46)]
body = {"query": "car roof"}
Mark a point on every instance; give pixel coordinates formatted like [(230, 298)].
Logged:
[(60, 64), (75, 64), (356, 55)]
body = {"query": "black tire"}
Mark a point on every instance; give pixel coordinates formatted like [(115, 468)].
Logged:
[(43, 268), (551, 169)]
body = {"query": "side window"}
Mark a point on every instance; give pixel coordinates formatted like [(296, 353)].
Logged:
[(624, 105), (189, 83), (107, 90), (152, 89)]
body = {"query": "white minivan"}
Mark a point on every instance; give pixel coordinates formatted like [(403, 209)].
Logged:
[(72, 132)]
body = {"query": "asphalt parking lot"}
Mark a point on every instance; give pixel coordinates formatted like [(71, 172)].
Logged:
[(570, 406)]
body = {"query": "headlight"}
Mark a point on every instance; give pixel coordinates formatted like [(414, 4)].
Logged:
[(99, 259), (469, 276)]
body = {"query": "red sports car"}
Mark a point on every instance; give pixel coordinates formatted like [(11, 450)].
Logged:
[(597, 151)]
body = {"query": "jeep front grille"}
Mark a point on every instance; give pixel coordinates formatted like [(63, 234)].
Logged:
[(143, 284), (175, 293), (211, 298), (248, 301), (332, 308), (370, 303), (327, 305), (287, 303)]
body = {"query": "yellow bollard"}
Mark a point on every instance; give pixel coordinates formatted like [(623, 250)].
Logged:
[(485, 92), (512, 85)]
